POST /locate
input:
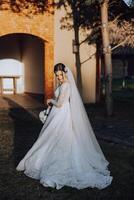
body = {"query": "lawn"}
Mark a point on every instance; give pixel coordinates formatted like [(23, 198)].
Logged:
[(16, 186), (117, 84), (18, 130)]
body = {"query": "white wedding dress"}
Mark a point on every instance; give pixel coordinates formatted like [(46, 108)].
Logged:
[(62, 155)]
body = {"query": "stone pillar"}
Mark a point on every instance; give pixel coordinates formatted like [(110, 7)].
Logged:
[(48, 70)]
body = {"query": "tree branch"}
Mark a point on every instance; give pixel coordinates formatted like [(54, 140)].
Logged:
[(119, 44), (88, 58), (116, 18)]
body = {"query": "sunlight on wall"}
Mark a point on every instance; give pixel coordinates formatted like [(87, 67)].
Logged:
[(12, 67), (63, 53)]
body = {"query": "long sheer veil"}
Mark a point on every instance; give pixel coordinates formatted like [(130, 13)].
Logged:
[(80, 122)]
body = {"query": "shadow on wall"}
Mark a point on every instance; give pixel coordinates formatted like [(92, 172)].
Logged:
[(26, 130)]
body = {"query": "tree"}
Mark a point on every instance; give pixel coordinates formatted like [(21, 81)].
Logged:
[(73, 20), (78, 13), (107, 53), (99, 16), (76, 28), (107, 56), (113, 14)]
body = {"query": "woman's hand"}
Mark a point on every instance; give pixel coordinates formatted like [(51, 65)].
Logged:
[(49, 102)]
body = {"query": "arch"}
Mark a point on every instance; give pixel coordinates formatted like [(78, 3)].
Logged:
[(41, 26), (23, 33), (47, 59)]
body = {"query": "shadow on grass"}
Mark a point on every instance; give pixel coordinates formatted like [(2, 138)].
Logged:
[(26, 129)]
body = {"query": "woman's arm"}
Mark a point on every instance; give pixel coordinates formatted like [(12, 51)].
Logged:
[(62, 96)]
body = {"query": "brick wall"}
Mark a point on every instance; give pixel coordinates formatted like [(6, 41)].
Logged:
[(40, 25)]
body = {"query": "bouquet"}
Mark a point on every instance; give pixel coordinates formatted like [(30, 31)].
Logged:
[(44, 114)]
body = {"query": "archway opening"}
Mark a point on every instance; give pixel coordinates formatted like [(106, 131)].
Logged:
[(22, 56)]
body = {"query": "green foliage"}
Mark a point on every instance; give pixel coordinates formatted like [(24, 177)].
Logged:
[(26, 7), (87, 17)]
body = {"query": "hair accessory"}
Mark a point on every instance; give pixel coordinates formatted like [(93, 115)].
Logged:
[(66, 70)]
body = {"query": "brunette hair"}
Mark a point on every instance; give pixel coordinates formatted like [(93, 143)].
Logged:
[(60, 67)]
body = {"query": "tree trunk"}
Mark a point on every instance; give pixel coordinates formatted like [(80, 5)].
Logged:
[(77, 60), (77, 43), (107, 57), (98, 73)]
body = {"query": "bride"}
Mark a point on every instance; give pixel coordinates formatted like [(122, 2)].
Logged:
[(66, 152)]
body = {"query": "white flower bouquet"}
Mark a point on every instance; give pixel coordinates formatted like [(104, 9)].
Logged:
[(44, 114)]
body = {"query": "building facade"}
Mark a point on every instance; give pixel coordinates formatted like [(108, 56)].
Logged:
[(37, 42)]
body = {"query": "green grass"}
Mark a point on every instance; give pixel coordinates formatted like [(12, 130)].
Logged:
[(125, 94), (16, 186), (117, 84)]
